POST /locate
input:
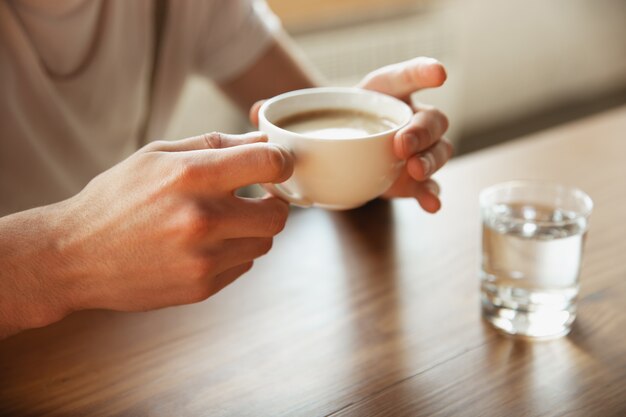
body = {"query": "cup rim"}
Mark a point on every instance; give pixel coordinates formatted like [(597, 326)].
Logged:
[(577, 192), (350, 90)]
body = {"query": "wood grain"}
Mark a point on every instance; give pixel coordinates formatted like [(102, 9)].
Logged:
[(368, 312)]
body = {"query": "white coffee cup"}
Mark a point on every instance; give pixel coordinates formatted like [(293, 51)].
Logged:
[(340, 173)]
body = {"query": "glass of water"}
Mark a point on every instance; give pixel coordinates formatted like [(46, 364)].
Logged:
[(533, 238)]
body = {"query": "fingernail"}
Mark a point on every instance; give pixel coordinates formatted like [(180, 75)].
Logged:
[(433, 188), (426, 166)]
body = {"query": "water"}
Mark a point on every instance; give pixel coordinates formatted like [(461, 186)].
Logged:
[(531, 262)]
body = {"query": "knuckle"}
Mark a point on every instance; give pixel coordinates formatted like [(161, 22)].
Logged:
[(155, 146), (423, 136), (265, 245), (202, 268), (442, 119), (213, 140), (275, 160), (148, 158), (439, 155), (432, 160), (188, 171), (278, 218), (195, 222), (185, 172)]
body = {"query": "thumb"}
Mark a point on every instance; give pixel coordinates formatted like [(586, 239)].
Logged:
[(254, 112), (213, 140), (402, 79)]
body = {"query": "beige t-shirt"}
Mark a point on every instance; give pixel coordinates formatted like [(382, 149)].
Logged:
[(74, 82)]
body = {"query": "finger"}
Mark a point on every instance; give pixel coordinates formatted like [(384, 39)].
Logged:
[(204, 288), (425, 192), (213, 140), (227, 277), (404, 78), (243, 218), (228, 169), (427, 195), (232, 252), (425, 128), (254, 112), (425, 164), (402, 187)]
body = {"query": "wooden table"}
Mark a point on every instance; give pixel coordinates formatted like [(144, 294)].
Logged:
[(369, 312)]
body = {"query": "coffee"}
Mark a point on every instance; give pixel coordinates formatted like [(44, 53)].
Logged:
[(341, 142), (335, 124)]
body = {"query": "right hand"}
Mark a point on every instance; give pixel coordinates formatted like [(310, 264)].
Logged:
[(164, 227)]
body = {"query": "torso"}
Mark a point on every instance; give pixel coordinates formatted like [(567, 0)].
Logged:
[(75, 77), (68, 112)]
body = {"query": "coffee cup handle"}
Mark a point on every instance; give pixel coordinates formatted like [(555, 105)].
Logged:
[(282, 192)]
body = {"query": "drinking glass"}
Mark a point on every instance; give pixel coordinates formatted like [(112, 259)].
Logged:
[(532, 248)]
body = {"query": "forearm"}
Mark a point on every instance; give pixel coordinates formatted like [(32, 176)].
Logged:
[(277, 71), (34, 290)]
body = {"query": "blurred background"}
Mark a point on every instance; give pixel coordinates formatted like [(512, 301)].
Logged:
[(514, 67)]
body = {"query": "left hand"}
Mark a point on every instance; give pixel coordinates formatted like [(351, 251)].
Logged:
[(420, 143)]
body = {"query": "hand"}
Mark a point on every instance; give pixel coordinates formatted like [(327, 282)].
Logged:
[(420, 143), (163, 227)]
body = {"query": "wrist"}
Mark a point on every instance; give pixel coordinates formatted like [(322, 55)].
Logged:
[(64, 258), (36, 277)]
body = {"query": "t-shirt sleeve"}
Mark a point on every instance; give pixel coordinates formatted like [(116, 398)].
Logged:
[(236, 34)]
